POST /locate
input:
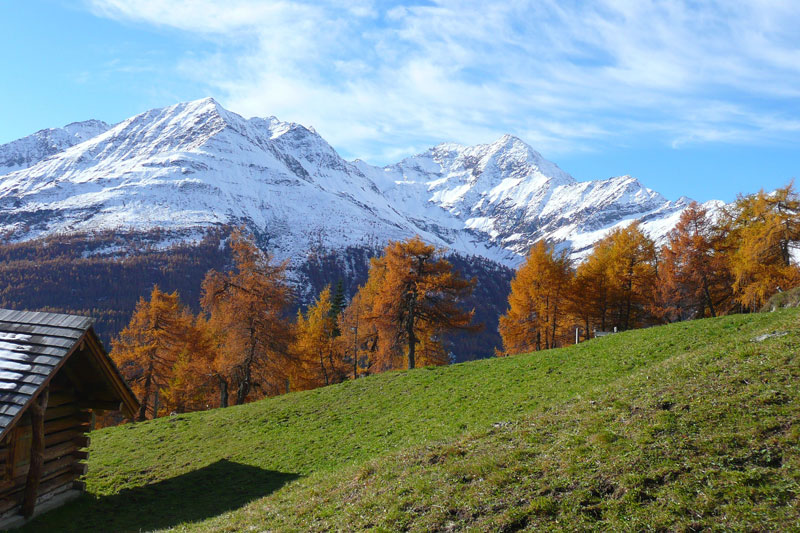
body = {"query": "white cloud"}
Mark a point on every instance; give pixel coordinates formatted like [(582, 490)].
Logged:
[(559, 74)]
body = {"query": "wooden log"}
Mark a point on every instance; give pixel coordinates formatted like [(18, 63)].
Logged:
[(51, 470), (82, 441), (58, 466), (51, 439), (56, 483), (54, 426), (69, 409), (51, 453), (9, 502), (36, 410), (79, 469), (80, 455), (60, 450)]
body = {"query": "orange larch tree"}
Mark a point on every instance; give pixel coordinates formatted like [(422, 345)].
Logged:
[(315, 347), (589, 293), (247, 308), (764, 230), (631, 275), (358, 341), (693, 276), (417, 298), (147, 349), (537, 302), (193, 382)]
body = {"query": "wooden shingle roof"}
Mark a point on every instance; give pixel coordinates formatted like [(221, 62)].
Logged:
[(33, 346)]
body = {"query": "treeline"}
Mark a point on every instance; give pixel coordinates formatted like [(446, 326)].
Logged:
[(103, 274), (244, 345), (728, 261)]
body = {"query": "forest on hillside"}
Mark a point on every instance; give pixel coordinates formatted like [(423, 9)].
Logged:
[(712, 264), (104, 274)]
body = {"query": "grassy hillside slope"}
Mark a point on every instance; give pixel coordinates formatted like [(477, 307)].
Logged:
[(681, 427)]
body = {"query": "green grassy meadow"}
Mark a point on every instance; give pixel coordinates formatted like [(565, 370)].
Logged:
[(686, 427)]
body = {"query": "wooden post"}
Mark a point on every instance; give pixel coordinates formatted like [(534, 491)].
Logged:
[(36, 410)]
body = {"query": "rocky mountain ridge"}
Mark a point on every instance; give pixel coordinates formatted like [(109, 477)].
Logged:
[(194, 165)]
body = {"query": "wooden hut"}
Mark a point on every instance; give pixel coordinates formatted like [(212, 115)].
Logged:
[(53, 373)]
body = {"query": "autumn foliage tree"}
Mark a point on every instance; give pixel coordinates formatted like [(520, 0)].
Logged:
[(590, 292), (537, 302), (693, 279), (157, 339), (409, 302), (244, 344), (614, 286), (359, 335), (247, 308), (764, 230), (316, 346), (192, 384)]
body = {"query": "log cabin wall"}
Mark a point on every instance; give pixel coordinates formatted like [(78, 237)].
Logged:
[(66, 425)]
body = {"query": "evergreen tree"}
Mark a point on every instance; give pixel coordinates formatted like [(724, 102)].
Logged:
[(338, 303)]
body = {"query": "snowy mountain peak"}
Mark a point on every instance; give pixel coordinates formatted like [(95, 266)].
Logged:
[(28, 151), (193, 165), (494, 168), (86, 129)]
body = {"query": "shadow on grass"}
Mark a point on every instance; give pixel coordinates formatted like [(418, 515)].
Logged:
[(200, 494)]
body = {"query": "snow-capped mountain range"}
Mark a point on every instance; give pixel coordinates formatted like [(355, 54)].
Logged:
[(194, 165)]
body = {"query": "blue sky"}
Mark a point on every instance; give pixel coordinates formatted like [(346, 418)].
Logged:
[(694, 98)]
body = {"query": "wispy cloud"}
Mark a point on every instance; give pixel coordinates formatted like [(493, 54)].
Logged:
[(565, 75)]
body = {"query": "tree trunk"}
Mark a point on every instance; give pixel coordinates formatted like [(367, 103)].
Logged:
[(242, 391), (335, 375), (223, 392), (156, 403), (322, 366), (244, 385), (630, 297), (148, 381), (36, 410), (355, 348), (412, 343), (708, 299)]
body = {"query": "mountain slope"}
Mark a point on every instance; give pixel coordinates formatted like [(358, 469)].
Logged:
[(191, 166), (26, 152), (689, 426), (508, 192)]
